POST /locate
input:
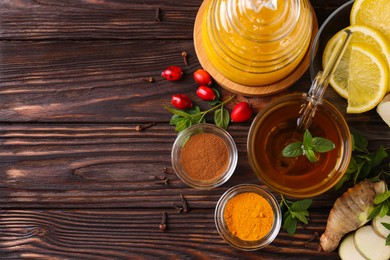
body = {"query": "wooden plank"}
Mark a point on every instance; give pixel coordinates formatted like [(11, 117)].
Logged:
[(100, 81), (90, 81), (48, 19), (109, 19), (100, 166), (114, 234)]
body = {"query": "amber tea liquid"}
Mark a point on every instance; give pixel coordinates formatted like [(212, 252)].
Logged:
[(277, 128)]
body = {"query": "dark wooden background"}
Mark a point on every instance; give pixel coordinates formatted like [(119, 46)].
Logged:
[(76, 180)]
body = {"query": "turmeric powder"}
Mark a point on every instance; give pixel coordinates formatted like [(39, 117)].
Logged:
[(248, 216)]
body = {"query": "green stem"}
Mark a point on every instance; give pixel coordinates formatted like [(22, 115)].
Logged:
[(285, 203), (219, 105)]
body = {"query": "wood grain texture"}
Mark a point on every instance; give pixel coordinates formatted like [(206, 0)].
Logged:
[(119, 234), (76, 180), (107, 19), (102, 166)]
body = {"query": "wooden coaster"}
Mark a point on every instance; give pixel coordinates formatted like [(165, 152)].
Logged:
[(242, 89)]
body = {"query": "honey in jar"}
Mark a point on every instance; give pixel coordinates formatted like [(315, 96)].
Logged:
[(256, 42)]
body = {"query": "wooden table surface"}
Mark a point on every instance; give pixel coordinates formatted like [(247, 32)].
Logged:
[(76, 180)]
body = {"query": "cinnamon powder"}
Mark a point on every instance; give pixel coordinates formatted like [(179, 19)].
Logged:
[(205, 156)]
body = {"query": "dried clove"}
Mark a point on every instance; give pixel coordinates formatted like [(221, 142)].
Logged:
[(183, 207), (157, 17), (161, 180), (185, 58), (178, 208), (310, 244), (163, 224), (148, 79), (166, 171), (186, 209), (313, 237), (140, 128)]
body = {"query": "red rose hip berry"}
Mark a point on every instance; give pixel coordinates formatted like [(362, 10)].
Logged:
[(181, 101), (206, 93), (172, 73), (202, 77), (241, 112)]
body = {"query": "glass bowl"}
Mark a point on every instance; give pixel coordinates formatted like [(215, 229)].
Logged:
[(181, 141), (234, 240), (275, 126), (337, 21)]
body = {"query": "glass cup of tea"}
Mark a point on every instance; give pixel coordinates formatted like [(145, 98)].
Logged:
[(284, 121)]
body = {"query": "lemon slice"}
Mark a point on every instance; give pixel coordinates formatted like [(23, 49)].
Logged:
[(374, 13), (368, 79), (360, 35)]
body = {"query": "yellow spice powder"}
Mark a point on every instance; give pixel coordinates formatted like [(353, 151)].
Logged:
[(248, 216)]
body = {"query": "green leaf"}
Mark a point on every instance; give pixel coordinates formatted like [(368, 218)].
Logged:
[(193, 110), (386, 225), (305, 212), (360, 143), (341, 182), (177, 112), (364, 170), (378, 156), (388, 240), (183, 124), (290, 225), (352, 167), (175, 119), (301, 217), (293, 150), (217, 98), (374, 212), (384, 209), (311, 155), (301, 205), (381, 197), (307, 140), (197, 119), (322, 145), (222, 118)]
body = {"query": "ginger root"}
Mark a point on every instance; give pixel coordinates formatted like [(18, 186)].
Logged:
[(349, 212)]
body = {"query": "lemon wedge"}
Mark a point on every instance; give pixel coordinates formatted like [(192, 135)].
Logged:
[(371, 38), (374, 13), (368, 78)]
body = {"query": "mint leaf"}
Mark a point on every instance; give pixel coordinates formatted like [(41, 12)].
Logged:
[(301, 205), (308, 147), (384, 209), (293, 212), (301, 217), (311, 155), (322, 145), (307, 140), (378, 156), (222, 118), (293, 150), (359, 142), (381, 197), (290, 225), (374, 212), (386, 225)]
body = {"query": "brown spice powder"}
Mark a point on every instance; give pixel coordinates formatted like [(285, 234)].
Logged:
[(205, 156)]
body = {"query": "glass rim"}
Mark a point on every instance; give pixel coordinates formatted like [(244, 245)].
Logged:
[(235, 241), (204, 184)]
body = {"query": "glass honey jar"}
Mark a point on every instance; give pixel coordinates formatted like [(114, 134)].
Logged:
[(256, 42)]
